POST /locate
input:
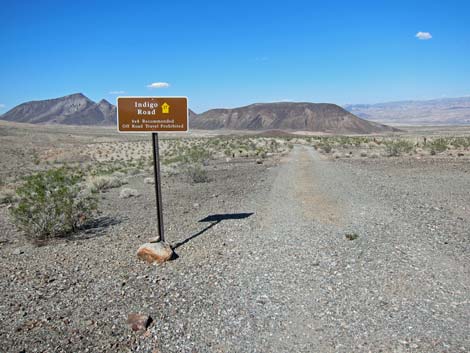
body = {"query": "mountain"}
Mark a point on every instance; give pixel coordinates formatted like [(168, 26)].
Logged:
[(75, 109), (436, 111), (318, 117)]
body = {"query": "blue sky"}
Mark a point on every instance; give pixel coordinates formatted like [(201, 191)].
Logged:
[(226, 54)]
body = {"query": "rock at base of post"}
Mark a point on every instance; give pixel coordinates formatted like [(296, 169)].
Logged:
[(155, 252)]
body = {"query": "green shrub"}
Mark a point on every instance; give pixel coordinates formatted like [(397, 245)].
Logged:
[(326, 147), (52, 204)]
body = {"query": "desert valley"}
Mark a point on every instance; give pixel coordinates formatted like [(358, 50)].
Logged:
[(296, 227)]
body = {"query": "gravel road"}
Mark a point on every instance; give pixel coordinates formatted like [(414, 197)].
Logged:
[(286, 278), (402, 285)]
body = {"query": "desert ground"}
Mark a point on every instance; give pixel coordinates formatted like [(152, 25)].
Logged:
[(294, 243)]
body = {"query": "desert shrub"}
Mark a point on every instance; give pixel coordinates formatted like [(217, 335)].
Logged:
[(351, 236), (438, 145), (100, 183), (326, 147), (397, 147), (51, 204), (461, 142), (197, 173)]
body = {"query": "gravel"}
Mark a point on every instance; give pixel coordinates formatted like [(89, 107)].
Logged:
[(272, 271)]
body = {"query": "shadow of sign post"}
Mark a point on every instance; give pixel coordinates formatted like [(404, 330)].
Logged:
[(213, 220)]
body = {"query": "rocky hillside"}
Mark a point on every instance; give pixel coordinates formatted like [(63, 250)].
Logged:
[(436, 111), (318, 117), (75, 109)]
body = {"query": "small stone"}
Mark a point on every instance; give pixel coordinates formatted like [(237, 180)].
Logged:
[(155, 252), (149, 181), (138, 322), (259, 161), (126, 193), (196, 205), (17, 251), (154, 239)]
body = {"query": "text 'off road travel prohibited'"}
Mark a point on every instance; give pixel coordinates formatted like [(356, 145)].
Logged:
[(152, 114)]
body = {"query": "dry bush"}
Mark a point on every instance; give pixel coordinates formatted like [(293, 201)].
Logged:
[(396, 148), (101, 183), (197, 173)]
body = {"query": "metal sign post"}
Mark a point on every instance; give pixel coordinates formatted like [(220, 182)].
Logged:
[(158, 185), (153, 114)]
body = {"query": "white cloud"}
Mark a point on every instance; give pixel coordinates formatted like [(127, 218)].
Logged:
[(2, 106), (423, 35), (117, 92), (159, 85)]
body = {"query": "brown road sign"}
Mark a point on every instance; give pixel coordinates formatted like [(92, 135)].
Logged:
[(152, 114)]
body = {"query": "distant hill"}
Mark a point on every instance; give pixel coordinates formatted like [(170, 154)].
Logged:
[(75, 109), (448, 111), (317, 117)]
